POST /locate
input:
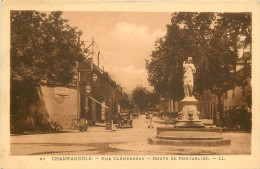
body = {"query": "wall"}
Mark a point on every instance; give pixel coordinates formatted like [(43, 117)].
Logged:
[(60, 109), (234, 99)]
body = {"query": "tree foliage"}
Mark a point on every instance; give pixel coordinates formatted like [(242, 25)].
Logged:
[(144, 99), (212, 40), (125, 104), (42, 47), (186, 37)]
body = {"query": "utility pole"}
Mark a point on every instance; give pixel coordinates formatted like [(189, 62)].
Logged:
[(92, 52), (86, 48), (98, 58)]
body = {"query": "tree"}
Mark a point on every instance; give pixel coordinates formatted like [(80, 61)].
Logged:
[(187, 35), (125, 104), (243, 77), (41, 48), (246, 79), (212, 40), (232, 32), (62, 48), (139, 97), (238, 30), (144, 99), (152, 99)]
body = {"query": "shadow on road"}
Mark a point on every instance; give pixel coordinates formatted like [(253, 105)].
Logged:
[(100, 148)]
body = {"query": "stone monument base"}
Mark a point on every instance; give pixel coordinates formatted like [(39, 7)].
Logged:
[(202, 143), (189, 124), (189, 137), (189, 130), (189, 117)]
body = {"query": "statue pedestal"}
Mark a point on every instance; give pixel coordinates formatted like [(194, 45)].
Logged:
[(189, 130), (189, 117)]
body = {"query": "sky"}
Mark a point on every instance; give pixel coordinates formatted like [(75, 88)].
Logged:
[(124, 39)]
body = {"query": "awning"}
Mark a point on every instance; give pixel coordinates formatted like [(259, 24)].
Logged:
[(98, 102)]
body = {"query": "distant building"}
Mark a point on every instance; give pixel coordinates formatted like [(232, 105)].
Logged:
[(235, 98)]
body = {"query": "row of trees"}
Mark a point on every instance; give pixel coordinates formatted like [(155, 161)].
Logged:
[(213, 41), (42, 48), (144, 99), (125, 102)]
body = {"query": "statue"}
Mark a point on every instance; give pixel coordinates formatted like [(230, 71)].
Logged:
[(188, 83)]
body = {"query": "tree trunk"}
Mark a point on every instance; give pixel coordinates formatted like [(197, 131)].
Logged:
[(220, 108), (28, 110)]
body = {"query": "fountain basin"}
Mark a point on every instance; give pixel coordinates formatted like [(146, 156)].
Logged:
[(199, 143), (189, 137), (189, 133)]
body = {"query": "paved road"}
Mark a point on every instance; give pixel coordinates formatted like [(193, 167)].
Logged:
[(129, 141)]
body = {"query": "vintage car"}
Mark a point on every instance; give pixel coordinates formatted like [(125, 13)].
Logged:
[(125, 120), (237, 118)]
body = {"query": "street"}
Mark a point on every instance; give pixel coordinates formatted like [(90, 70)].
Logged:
[(128, 141)]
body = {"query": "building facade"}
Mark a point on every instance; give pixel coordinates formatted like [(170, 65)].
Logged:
[(235, 99), (92, 95), (99, 94)]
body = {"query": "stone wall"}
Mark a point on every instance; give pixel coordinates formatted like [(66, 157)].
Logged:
[(61, 109)]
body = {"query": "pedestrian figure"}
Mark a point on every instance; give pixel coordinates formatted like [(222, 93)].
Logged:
[(151, 121)]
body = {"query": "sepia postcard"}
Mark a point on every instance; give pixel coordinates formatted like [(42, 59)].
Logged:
[(103, 84)]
